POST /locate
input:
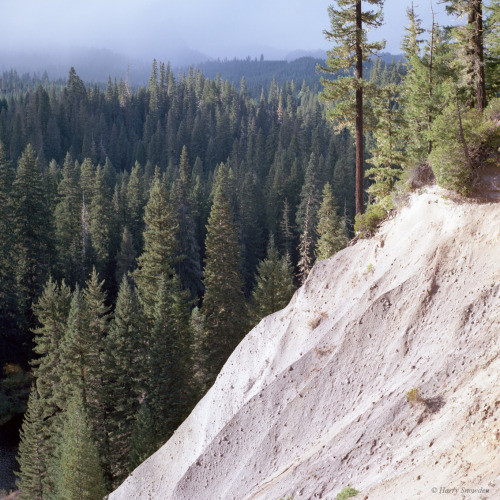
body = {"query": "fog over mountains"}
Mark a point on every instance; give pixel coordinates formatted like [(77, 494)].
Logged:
[(104, 38)]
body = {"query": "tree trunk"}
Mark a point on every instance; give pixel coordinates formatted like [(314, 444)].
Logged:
[(477, 5), (475, 54), (359, 114), (429, 106)]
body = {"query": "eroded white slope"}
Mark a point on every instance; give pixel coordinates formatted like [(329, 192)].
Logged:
[(314, 399)]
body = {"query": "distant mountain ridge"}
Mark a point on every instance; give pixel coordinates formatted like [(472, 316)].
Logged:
[(97, 64)]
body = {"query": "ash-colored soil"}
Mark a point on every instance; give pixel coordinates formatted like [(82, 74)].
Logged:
[(314, 398)]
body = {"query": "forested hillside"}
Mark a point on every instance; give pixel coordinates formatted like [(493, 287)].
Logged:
[(130, 213), (145, 230)]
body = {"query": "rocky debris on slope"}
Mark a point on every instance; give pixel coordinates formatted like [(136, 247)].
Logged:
[(314, 398)]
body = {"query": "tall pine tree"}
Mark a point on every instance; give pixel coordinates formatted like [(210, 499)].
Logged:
[(331, 228), (122, 379), (349, 28), (8, 299), (223, 303), (160, 247), (471, 48), (80, 476), (274, 285), (32, 452), (32, 233), (168, 386)]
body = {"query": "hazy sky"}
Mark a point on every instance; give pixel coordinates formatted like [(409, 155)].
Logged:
[(217, 28)]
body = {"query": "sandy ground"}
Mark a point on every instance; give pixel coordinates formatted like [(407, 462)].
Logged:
[(314, 398)]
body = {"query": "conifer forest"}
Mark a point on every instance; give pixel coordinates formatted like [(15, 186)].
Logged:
[(144, 230)]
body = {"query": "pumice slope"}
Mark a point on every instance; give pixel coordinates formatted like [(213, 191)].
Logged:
[(314, 398)]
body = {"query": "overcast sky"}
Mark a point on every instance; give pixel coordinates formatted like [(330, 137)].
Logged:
[(216, 28)]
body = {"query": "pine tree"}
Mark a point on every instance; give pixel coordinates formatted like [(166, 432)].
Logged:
[(223, 303), (100, 222), (310, 195), (168, 387), (32, 452), (68, 224), (8, 298), (197, 328), (188, 266), (144, 442), (125, 259), (96, 330), (74, 350), (32, 232), (331, 228), (160, 247), (492, 49), (387, 156), (81, 476), (87, 252), (251, 214), (153, 89), (306, 244), (52, 311), (122, 380), (135, 205), (471, 48), (422, 87), (349, 26), (286, 230), (274, 285), (82, 350), (87, 179), (415, 89)]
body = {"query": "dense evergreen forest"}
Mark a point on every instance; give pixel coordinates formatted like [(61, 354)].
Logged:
[(144, 231), (130, 213)]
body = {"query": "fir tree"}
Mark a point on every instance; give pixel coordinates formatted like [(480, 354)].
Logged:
[(286, 230), (32, 452), (223, 303), (52, 311), (387, 155), (250, 226), (68, 224), (168, 387), (160, 247), (122, 380), (422, 87), (471, 48), (188, 266), (135, 205), (32, 231), (125, 258), (310, 195), (306, 245), (274, 285), (349, 26), (492, 49), (100, 221), (8, 298), (81, 476), (415, 89), (96, 330), (74, 350), (197, 328), (331, 228), (144, 442)]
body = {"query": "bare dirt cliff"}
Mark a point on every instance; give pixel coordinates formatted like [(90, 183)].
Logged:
[(314, 398)]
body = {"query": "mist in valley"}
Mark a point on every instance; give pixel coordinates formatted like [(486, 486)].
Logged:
[(101, 38)]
